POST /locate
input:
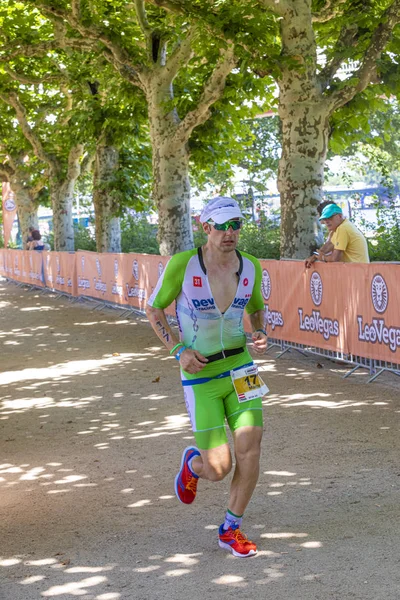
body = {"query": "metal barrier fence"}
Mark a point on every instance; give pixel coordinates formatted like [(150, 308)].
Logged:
[(373, 366)]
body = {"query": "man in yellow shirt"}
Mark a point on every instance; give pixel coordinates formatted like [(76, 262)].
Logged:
[(347, 243)]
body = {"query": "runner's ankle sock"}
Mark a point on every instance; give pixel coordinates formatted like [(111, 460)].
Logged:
[(232, 519), (189, 464)]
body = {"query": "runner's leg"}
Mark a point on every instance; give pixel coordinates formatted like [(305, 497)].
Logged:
[(247, 444)]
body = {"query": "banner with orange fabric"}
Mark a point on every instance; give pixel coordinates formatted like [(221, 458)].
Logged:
[(305, 306), (373, 315), (59, 271), (25, 266), (141, 273), (9, 211), (100, 276), (347, 308)]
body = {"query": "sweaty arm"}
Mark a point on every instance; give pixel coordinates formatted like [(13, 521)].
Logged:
[(167, 290)]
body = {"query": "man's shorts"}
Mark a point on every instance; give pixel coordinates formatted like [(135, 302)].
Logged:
[(211, 400)]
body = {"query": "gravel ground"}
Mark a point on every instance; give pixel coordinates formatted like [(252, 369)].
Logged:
[(92, 426)]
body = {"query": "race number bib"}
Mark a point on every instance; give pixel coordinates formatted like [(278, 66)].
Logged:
[(248, 384)]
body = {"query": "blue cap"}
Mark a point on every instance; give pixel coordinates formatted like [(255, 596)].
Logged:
[(329, 211)]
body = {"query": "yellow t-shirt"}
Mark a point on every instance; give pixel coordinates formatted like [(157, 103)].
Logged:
[(351, 242)]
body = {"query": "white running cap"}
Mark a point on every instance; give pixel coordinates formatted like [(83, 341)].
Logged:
[(220, 210)]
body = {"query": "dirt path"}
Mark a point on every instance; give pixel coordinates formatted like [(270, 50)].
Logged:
[(92, 425)]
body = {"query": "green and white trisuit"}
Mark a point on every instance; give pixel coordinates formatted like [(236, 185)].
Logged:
[(209, 395)]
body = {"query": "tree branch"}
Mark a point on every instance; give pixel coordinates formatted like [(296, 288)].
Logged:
[(328, 12), (142, 19), (213, 90), (279, 7), (13, 100), (30, 80), (119, 55), (6, 172), (74, 167), (347, 39), (390, 18), (179, 57), (87, 162), (16, 50)]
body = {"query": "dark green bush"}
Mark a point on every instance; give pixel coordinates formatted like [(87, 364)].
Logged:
[(384, 245), (138, 235), (84, 239)]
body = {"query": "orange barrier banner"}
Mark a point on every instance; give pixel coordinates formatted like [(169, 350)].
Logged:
[(59, 271), (100, 276), (9, 210), (305, 306), (141, 273), (348, 308), (373, 315), (6, 263), (23, 266)]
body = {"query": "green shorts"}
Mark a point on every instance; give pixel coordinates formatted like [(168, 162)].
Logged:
[(210, 400)]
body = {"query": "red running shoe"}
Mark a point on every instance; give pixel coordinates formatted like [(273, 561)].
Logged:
[(186, 480), (236, 542)]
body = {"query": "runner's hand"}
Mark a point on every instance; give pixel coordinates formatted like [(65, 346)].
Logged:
[(192, 361), (259, 342)]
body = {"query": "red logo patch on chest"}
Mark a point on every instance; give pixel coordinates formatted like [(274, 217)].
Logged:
[(245, 282), (197, 282)]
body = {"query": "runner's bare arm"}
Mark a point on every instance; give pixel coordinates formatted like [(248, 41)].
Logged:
[(191, 361), (159, 323), (257, 320)]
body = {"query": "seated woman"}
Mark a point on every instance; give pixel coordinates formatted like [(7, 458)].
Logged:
[(36, 243)]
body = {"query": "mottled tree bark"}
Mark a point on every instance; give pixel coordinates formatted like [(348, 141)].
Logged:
[(171, 187), (62, 196), (108, 228), (27, 211), (305, 130)]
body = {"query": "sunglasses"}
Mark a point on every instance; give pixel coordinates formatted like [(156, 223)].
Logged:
[(225, 226)]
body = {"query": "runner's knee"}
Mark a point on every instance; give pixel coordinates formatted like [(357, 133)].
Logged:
[(217, 472)]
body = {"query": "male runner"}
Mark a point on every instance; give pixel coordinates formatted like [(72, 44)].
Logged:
[(212, 286)]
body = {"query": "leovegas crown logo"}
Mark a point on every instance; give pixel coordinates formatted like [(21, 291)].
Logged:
[(378, 332), (99, 285), (273, 318), (315, 323), (379, 293), (98, 267), (134, 291), (316, 288), (135, 269), (266, 284), (82, 281)]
